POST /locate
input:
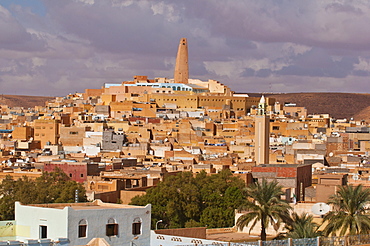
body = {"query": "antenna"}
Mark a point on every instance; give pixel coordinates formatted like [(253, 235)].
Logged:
[(320, 208)]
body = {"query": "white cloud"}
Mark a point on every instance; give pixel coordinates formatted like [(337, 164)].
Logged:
[(87, 2), (336, 58), (362, 65), (228, 68), (295, 49), (166, 10)]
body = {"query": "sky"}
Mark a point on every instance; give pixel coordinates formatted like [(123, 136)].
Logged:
[(53, 48)]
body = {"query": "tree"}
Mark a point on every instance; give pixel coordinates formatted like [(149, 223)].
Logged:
[(58, 188), (53, 187), (348, 215), (264, 205), (185, 201), (7, 199), (301, 226)]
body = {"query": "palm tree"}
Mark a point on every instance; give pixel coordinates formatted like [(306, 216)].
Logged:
[(264, 205), (302, 226), (349, 214)]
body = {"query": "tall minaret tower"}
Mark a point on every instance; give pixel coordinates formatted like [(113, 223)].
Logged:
[(182, 68), (262, 134)]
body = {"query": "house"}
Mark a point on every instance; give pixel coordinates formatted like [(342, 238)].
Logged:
[(294, 177), (80, 224)]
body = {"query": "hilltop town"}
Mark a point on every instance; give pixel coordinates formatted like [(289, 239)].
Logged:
[(124, 138)]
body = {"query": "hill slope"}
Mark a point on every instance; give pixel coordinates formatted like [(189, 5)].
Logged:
[(23, 101), (338, 105)]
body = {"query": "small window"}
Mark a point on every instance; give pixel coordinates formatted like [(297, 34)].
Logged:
[(43, 231), (136, 226), (112, 228), (70, 175), (82, 228), (82, 175)]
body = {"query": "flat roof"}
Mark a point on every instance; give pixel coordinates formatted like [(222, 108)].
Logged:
[(97, 204), (284, 165)]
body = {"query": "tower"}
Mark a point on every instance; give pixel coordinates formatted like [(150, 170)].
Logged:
[(261, 110), (262, 134), (182, 68)]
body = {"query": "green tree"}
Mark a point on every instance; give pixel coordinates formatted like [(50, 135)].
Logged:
[(184, 200), (264, 205), (53, 187), (7, 194), (348, 215), (58, 188), (301, 226)]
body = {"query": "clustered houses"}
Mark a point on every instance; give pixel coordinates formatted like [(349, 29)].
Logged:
[(129, 136), (125, 137)]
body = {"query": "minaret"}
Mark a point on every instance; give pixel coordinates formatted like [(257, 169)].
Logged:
[(262, 134), (261, 110), (182, 68)]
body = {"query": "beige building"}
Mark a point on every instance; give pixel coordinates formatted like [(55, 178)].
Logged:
[(46, 131), (262, 134)]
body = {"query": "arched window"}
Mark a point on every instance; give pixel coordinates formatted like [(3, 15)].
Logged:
[(112, 228), (136, 226), (92, 185), (82, 228)]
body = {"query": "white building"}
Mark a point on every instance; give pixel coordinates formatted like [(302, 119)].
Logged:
[(82, 223), (95, 223)]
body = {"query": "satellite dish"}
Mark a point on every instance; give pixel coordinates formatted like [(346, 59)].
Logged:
[(331, 154), (355, 177), (320, 208)]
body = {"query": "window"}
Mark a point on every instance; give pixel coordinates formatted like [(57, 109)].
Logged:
[(43, 231), (73, 133), (112, 228), (82, 228), (102, 187), (136, 226)]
